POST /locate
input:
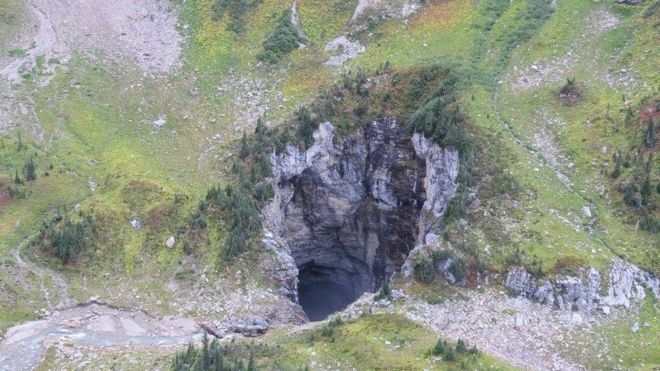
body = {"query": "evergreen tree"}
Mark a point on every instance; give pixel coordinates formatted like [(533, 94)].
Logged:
[(617, 167), (645, 192), (251, 366), (187, 249), (461, 347), (30, 170), (205, 351), (245, 149), (384, 291), (20, 146), (649, 138), (284, 39), (449, 355), (440, 347), (630, 196), (17, 179)]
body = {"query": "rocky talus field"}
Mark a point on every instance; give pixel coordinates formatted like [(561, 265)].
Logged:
[(329, 185)]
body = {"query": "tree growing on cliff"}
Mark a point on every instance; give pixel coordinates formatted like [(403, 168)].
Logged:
[(384, 292)]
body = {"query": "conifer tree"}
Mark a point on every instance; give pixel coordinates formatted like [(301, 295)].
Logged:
[(649, 138), (245, 149), (30, 169), (645, 192)]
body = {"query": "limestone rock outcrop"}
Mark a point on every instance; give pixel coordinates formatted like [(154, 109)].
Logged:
[(354, 207), (587, 292)]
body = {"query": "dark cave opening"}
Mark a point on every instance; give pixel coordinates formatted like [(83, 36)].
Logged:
[(325, 290), (351, 215)]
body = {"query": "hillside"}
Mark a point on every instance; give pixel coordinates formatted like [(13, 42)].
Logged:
[(438, 172)]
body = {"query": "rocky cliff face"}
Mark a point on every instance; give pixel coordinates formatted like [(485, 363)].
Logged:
[(587, 292), (350, 210)]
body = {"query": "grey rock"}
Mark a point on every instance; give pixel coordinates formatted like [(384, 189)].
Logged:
[(635, 327), (170, 242), (360, 203), (159, 122), (342, 49), (627, 283), (250, 326), (443, 267), (280, 266), (439, 182)]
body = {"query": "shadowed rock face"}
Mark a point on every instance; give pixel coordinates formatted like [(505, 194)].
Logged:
[(349, 211)]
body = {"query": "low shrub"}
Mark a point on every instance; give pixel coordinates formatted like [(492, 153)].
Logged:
[(569, 265), (66, 239), (236, 9), (284, 39), (570, 93), (384, 292), (423, 268)]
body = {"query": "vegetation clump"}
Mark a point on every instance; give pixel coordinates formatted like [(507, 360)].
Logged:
[(570, 93), (236, 10), (66, 239), (449, 352), (569, 265), (212, 357), (423, 268), (328, 330), (635, 175), (285, 38), (384, 293), (457, 267)]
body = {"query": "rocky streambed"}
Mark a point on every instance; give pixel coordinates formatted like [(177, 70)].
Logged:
[(90, 325)]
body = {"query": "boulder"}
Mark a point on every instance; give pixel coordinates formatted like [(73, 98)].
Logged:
[(584, 292), (250, 326)]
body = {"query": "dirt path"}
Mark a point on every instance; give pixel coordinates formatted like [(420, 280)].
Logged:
[(91, 325)]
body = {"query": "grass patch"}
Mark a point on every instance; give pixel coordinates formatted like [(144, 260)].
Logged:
[(380, 341)]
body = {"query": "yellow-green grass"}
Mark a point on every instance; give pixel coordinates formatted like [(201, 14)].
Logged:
[(546, 229), (583, 130), (380, 341), (618, 344), (441, 29), (324, 20)]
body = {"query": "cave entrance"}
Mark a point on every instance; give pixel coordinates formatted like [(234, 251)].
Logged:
[(325, 290), (351, 215)]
